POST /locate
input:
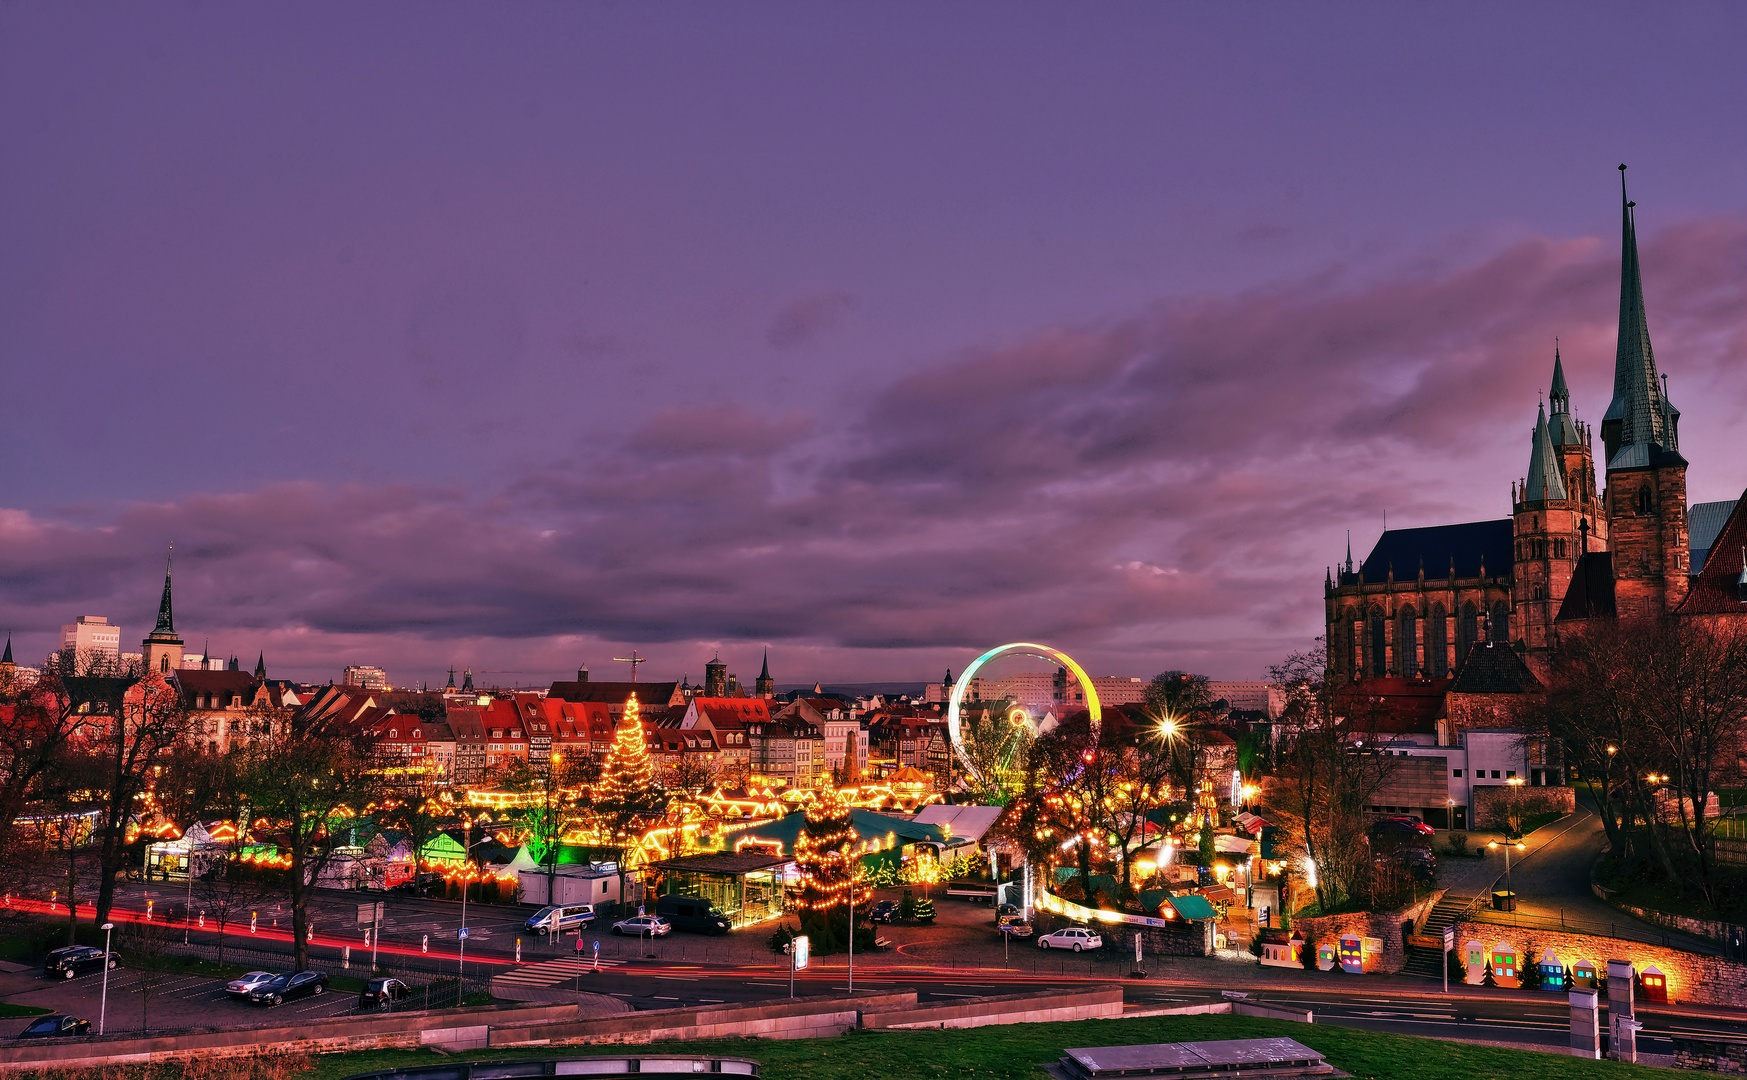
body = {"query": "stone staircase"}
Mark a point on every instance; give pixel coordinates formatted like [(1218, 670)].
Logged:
[(1428, 962)]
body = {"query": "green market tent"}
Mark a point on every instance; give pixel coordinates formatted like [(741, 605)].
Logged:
[(891, 834)]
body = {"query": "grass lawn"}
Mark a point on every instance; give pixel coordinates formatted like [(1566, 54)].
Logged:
[(9, 1009), (1017, 1051)]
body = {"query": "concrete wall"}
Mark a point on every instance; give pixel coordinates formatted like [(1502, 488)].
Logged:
[(407, 1030), (1094, 1003), (800, 1018)]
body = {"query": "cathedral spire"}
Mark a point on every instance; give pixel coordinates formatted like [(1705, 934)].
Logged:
[(1560, 427), (1544, 481), (1639, 414), (166, 622), (261, 665), (7, 659)]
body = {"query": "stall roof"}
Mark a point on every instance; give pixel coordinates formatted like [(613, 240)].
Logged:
[(1191, 906), (740, 862), (967, 822), (868, 826)]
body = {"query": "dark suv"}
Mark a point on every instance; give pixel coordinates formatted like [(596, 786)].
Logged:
[(70, 960)]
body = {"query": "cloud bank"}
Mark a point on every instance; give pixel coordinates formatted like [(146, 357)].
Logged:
[(1162, 489)]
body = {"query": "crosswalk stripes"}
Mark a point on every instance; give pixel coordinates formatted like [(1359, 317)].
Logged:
[(553, 972)]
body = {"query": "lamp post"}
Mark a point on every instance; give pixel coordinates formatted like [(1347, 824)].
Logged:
[(551, 830), (103, 1008), (1510, 894)]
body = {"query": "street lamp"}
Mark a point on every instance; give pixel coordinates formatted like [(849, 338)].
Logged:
[(1510, 894), (103, 1009)]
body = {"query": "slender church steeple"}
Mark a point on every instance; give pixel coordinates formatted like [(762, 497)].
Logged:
[(162, 649), (765, 687), (1640, 414), (1544, 482), (7, 658)]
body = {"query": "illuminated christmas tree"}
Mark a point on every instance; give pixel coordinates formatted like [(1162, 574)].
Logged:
[(628, 777), (825, 857), (822, 853)]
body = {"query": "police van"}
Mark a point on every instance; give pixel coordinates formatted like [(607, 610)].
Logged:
[(566, 917)]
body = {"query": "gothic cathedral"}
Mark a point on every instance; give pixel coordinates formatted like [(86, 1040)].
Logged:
[(1569, 552)]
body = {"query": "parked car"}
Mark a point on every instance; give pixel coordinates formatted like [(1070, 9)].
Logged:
[(884, 911), (383, 993), (639, 925), (244, 985), (49, 1027), (69, 960), (286, 987), (1006, 910), (1077, 938), (560, 917), (1017, 930), (1413, 820), (1398, 832), (692, 913)]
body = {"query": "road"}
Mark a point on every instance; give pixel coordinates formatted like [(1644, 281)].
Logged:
[(954, 960)]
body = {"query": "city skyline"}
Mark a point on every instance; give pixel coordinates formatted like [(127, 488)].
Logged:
[(871, 338)]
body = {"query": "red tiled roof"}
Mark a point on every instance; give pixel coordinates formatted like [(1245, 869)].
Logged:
[(1714, 591)]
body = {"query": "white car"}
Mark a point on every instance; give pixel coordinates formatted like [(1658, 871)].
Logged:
[(638, 925), (1077, 938)]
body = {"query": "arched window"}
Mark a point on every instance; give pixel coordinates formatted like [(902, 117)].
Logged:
[(1379, 644), (1407, 642), (1643, 500), (1537, 592), (1467, 631), (1437, 657), (1500, 622)]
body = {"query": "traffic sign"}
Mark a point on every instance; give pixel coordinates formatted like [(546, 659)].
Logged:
[(801, 952), (371, 914), (463, 933), (1449, 937)]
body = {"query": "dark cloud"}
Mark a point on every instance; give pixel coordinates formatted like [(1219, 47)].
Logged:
[(806, 317), (1158, 490)]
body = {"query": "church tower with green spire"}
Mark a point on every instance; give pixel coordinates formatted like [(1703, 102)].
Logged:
[(162, 649)]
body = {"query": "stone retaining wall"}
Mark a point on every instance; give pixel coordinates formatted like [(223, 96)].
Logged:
[(1703, 980), (1487, 811), (1391, 926), (798, 1018), (1705, 928), (1718, 1057), (1183, 937)]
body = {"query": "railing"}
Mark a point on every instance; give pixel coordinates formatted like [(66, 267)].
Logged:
[(1627, 931)]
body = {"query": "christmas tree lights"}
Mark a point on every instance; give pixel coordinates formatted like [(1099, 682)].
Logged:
[(628, 777), (824, 853)]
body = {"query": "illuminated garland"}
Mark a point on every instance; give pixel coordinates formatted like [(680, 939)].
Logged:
[(823, 853)]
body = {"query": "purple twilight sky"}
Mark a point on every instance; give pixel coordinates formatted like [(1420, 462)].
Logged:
[(518, 335)]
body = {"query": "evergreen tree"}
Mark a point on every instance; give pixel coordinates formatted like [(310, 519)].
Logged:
[(825, 857), (628, 777), (1207, 851), (1457, 970), (1486, 977), (626, 791), (1529, 974), (925, 910)]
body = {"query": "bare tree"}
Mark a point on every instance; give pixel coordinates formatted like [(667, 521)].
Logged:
[(303, 777), (1330, 769)]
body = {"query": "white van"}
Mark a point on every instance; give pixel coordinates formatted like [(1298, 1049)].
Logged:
[(568, 917)]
